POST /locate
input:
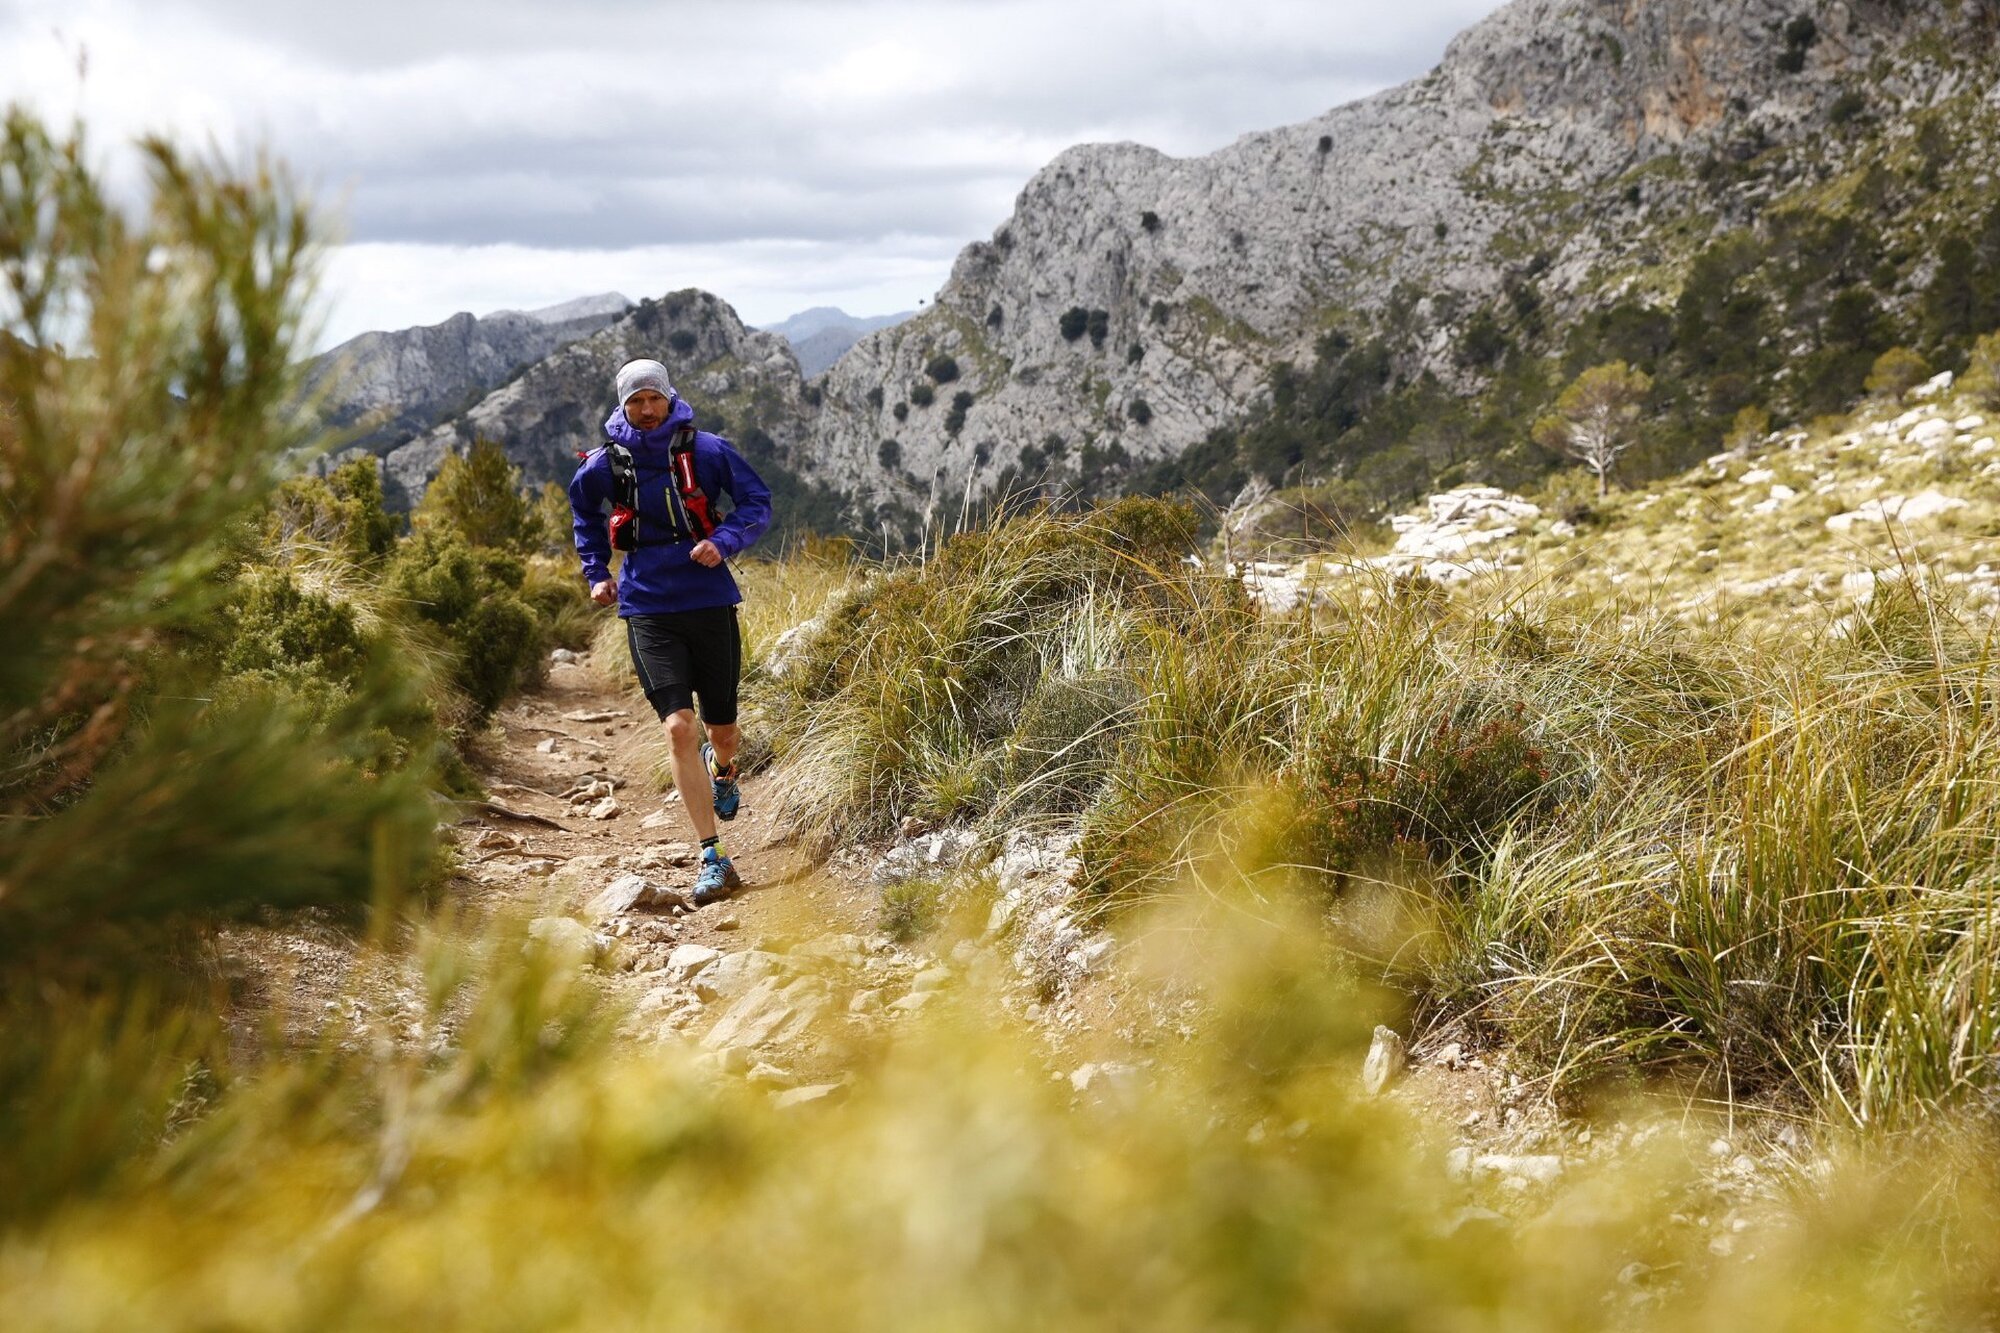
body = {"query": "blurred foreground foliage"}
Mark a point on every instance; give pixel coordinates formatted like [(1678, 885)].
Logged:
[(225, 693), (530, 1172)]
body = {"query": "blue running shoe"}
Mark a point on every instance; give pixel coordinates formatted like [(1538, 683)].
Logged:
[(717, 880), (728, 796)]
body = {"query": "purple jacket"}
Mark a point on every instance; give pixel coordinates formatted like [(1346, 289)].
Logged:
[(659, 577)]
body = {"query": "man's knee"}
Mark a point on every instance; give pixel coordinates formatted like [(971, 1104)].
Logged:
[(680, 726)]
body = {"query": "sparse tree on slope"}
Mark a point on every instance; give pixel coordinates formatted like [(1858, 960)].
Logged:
[(1596, 417), (478, 495)]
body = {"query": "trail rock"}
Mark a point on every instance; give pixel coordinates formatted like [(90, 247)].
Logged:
[(608, 808), (731, 974), (850, 950), (1387, 1057), (689, 959), (620, 895), (591, 717), (812, 1094), (790, 648), (771, 1012), (569, 939), (929, 854), (1539, 1169)]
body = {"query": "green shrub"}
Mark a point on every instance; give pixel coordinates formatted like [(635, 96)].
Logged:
[(889, 455), (1140, 411), (1074, 323), (1896, 372), (961, 403), (341, 512), (471, 597), (1098, 325), (479, 496), (1846, 107), (1982, 371), (922, 395), (942, 369)]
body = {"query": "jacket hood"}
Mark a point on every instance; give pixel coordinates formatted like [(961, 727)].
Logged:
[(616, 427)]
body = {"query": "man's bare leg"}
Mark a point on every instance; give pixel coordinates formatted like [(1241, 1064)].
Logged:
[(690, 774), (724, 737)]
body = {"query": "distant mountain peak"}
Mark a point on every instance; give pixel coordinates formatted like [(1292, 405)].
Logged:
[(607, 304)]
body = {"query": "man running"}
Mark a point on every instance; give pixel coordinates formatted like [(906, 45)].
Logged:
[(676, 595)]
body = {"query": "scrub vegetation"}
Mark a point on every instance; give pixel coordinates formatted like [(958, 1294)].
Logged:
[(1726, 864)]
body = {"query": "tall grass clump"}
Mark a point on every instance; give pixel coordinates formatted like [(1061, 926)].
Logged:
[(992, 675), (167, 766), (1760, 863)]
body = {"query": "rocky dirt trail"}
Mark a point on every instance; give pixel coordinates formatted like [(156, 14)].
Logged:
[(791, 981), (775, 984)]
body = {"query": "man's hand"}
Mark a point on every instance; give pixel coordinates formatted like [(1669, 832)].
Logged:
[(705, 553), (605, 593)]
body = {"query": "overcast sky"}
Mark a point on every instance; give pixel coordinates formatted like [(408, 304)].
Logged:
[(782, 155)]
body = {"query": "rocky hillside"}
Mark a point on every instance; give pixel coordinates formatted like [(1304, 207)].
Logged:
[(1749, 202), (387, 387), (1809, 526), (742, 383), (1565, 160)]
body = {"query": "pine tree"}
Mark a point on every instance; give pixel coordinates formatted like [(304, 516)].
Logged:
[(1595, 417)]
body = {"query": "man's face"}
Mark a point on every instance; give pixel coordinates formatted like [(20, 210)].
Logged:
[(646, 409)]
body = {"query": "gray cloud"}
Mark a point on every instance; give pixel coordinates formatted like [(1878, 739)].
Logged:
[(614, 124)]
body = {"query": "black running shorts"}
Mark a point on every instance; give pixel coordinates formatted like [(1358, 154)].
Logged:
[(684, 655)]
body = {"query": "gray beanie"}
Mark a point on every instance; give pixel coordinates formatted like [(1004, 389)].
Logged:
[(636, 375)]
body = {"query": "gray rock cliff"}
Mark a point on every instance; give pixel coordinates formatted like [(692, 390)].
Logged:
[(1185, 280), (737, 379), (379, 389)]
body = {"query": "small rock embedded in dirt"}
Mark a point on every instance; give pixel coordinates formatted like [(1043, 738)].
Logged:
[(1104, 1075), (929, 854), (659, 819), (865, 1002), (565, 657), (1386, 1057), (809, 1095), (931, 979), (571, 940), (688, 959), (1540, 1169), (620, 895), (736, 1059), (589, 717), (548, 746), (914, 1001), (495, 840), (1452, 1056), (768, 1076), (729, 923), (608, 808)]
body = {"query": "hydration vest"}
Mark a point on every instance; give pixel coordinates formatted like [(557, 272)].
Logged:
[(686, 501)]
